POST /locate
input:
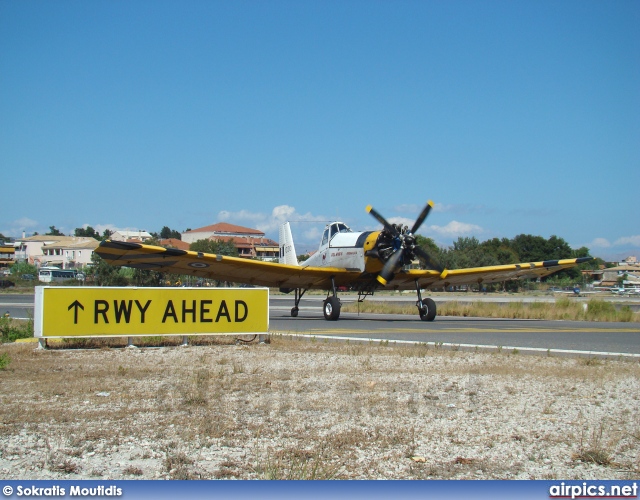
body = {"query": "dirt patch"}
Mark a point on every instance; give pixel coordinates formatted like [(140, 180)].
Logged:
[(297, 409)]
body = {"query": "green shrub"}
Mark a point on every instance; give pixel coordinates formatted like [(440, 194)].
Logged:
[(599, 310), (11, 330), (4, 361)]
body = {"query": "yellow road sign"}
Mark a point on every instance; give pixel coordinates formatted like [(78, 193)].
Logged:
[(103, 311)]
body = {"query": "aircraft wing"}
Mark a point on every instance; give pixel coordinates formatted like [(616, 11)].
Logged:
[(272, 274), (222, 267), (477, 275)]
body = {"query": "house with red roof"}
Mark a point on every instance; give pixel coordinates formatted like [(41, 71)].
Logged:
[(249, 242)]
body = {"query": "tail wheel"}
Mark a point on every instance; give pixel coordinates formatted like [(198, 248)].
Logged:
[(428, 310), (331, 308)]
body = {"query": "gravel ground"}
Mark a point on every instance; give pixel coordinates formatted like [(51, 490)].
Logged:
[(301, 410)]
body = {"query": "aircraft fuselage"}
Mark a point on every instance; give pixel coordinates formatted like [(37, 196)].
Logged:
[(343, 248)]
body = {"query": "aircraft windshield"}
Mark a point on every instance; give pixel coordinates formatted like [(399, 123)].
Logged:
[(339, 227), (335, 228)]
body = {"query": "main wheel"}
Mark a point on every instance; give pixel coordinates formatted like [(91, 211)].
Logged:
[(294, 312), (331, 308), (428, 310)]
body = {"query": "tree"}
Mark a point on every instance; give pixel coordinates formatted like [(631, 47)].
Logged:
[(215, 246), (105, 274), (87, 232), (146, 277), (167, 233), (431, 248), (467, 252), (20, 268), (54, 231), (106, 234)]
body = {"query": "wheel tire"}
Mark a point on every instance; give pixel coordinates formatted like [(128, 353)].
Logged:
[(331, 308), (294, 312), (428, 311)]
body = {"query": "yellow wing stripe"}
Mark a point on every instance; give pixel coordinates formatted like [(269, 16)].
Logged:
[(272, 274)]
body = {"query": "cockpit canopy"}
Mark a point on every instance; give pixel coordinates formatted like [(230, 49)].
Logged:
[(332, 229)]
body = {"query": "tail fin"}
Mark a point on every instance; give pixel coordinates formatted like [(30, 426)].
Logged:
[(287, 249)]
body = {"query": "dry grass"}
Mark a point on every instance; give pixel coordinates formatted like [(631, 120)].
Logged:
[(562, 309), (302, 410)]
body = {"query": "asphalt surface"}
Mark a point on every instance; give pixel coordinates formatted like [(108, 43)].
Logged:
[(537, 335), (583, 336)]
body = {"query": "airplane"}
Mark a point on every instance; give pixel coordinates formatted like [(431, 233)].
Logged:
[(576, 291), (361, 261), (625, 291)]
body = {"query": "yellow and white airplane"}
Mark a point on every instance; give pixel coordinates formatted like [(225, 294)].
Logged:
[(360, 261)]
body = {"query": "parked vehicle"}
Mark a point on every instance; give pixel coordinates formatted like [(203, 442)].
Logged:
[(54, 274)]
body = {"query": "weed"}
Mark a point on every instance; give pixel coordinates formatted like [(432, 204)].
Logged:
[(4, 361), (176, 464), (132, 471), (66, 466), (595, 449), (296, 464), (563, 308), (590, 361), (12, 329)]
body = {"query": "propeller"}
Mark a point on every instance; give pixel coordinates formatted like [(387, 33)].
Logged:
[(404, 243)]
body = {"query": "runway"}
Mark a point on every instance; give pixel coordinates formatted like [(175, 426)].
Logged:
[(536, 335), (533, 335)]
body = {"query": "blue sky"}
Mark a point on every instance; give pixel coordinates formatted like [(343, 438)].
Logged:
[(514, 117)]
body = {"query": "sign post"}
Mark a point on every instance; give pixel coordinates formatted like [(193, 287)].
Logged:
[(127, 311)]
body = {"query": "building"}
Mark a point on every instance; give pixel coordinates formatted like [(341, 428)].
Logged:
[(250, 243), (174, 243), (7, 255), (630, 274), (253, 248), (66, 252), (140, 236), (220, 230), (70, 254)]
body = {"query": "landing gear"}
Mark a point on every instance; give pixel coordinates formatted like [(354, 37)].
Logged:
[(428, 310), (298, 295), (426, 307), (331, 305), (331, 308)]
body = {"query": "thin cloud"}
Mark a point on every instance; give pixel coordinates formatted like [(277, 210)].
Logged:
[(599, 243), (405, 221), (455, 229), (633, 241), (16, 227), (269, 223)]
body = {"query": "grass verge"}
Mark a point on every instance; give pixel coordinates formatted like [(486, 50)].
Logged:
[(562, 309)]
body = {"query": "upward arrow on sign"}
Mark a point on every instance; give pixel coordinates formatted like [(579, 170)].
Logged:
[(76, 305)]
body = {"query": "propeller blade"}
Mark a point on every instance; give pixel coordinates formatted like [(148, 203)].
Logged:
[(422, 217), (390, 266), (382, 220), (428, 260)]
